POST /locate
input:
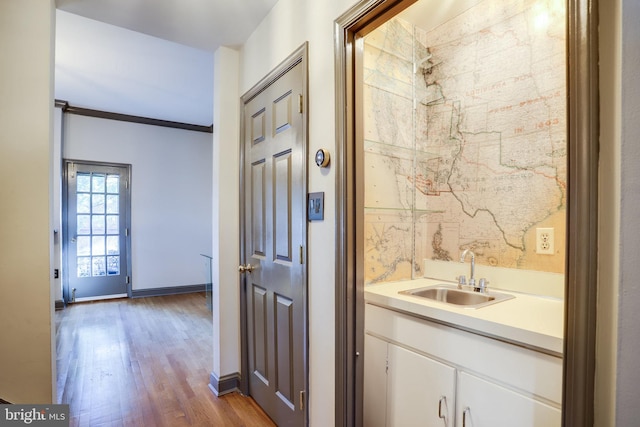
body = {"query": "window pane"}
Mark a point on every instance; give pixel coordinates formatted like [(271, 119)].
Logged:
[(83, 226), (113, 245), (83, 183), (97, 224), (113, 184), (112, 204), (84, 267), (83, 246), (97, 245), (113, 265), (97, 203), (83, 203), (98, 266), (98, 182), (112, 224)]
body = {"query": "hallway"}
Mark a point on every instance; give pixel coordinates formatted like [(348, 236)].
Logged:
[(143, 362)]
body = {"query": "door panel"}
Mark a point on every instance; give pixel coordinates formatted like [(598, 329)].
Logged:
[(95, 239), (258, 203), (284, 349), (260, 358), (274, 230), (282, 206), (282, 113), (258, 122)]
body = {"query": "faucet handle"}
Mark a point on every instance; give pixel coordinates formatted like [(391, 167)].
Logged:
[(462, 281), (483, 285)]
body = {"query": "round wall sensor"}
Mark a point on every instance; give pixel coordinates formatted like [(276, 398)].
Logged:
[(322, 158)]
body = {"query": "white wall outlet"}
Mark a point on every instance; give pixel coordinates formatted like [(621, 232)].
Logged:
[(544, 241)]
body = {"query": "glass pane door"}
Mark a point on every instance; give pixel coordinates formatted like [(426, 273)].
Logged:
[(96, 212)]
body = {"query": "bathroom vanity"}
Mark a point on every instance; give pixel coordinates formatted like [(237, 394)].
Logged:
[(431, 363)]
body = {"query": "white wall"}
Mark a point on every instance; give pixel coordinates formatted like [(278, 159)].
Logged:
[(226, 215), (171, 190), (27, 350), (628, 363), (609, 216), (618, 335), (289, 24), (628, 368)]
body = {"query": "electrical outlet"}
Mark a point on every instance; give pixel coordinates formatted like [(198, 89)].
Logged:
[(544, 241)]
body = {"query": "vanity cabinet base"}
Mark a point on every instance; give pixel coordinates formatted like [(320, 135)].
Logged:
[(420, 373)]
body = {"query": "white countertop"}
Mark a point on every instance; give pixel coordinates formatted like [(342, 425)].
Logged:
[(529, 320)]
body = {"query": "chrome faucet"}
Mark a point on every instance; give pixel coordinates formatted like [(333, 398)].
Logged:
[(483, 284), (472, 280)]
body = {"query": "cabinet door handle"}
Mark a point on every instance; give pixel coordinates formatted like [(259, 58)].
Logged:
[(442, 398), (464, 416)]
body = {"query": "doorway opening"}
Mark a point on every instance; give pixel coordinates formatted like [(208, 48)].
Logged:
[(97, 222), (581, 165)]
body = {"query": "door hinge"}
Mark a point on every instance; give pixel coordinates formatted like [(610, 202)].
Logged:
[(126, 232), (300, 104), (127, 280), (126, 184), (301, 254), (72, 170), (302, 400)]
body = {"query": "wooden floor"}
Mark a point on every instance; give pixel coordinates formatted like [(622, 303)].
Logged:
[(144, 362)]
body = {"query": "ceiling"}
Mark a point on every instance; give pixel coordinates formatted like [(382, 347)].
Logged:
[(149, 58), (203, 24)]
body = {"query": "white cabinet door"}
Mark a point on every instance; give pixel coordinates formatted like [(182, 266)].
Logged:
[(375, 381), (481, 403), (420, 390)]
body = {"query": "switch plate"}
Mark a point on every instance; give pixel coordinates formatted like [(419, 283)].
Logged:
[(315, 209), (545, 241)]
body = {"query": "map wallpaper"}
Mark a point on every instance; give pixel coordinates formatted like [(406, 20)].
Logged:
[(465, 139)]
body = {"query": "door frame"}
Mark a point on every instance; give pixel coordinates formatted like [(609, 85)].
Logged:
[(582, 215), (66, 297), (299, 56)]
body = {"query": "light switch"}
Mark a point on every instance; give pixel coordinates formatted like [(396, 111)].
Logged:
[(315, 211)]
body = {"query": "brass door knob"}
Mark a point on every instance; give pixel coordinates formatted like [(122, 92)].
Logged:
[(245, 268)]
